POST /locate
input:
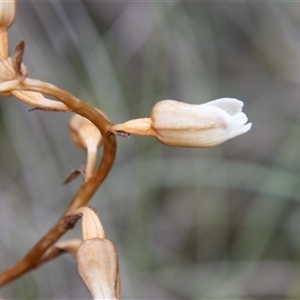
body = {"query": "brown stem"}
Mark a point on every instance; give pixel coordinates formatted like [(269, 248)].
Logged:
[(87, 189)]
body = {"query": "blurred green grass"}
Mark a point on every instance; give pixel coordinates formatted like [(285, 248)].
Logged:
[(219, 223)]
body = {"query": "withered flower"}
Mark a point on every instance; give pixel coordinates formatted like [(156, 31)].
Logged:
[(7, 17), (97, 259), (7, 13), (12, 67), (98, 268), (86, 136)]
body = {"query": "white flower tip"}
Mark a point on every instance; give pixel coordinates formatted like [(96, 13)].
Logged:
[(249, 125), (239, 131), (231, 105), (186, 125), (236, 123)]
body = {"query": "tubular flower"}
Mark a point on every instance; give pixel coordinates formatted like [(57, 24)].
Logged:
[(205, 125), (98, 268), (87, 136), (180, 124)]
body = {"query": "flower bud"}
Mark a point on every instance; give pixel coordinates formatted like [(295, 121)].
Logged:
[(83, 132), (180, 124), (97, 264), (97, 259), (186, 125), (7, 13), (87, 136)]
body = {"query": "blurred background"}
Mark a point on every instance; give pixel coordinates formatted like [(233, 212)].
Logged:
[(219, 223)]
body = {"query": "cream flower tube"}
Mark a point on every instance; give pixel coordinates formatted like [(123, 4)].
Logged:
[(180, 124), (87, 136), (205, 125)]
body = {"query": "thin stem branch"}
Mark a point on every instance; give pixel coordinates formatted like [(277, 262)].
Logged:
[(87, 189), (68, 246)]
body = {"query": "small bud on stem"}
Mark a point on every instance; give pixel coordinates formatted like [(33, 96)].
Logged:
[(97, 263), (97, 259)]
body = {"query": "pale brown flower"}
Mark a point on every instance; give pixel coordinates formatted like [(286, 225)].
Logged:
[(87, 136), (12, 68), (7, 13), (97, 259)]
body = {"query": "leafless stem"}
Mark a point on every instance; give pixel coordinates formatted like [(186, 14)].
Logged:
[(87, 189)]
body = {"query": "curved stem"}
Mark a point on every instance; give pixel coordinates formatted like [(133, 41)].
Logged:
[(87, 189)]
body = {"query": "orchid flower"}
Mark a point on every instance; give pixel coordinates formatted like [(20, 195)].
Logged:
[(180, 124)]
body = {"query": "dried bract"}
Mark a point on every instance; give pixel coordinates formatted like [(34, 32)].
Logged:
[(140, 126), (91, 225), (12, 68)]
